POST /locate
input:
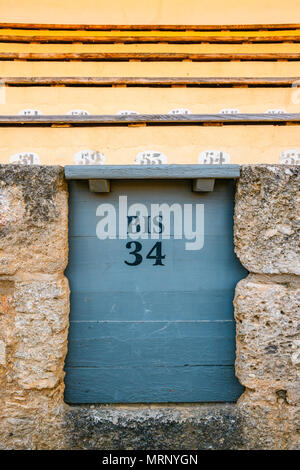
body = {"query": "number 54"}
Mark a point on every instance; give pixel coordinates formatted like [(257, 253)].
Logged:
[(158, 257)]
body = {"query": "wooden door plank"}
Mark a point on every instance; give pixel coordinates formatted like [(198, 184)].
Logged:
[(160, 384), (151, 344)]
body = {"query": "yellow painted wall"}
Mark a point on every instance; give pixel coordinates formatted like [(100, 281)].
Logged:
[(164, 34), (149, 69), (150, 12), (180, 144), (152, 48), (60, 100)]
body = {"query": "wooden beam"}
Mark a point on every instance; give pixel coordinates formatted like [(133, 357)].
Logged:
[(87, 172), (156, 119), (149, 81), (149, 39), (148, 57), (150, 27)]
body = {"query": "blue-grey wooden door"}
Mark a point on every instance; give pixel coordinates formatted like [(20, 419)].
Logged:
[(158, 330)]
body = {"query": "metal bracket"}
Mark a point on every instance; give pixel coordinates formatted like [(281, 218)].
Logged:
[(99, 186), (204, 185)]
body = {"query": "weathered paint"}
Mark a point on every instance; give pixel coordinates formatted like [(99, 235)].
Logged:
[(18, 68), (109, 100), (154, 12), (155, 48), (180, 144), (150, 333)]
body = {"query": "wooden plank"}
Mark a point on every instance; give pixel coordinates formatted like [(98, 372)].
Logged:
[(82, 172), (160, 384), (160, 119), (148, 57), (151, 343), (183, 272), (90, 302), (151, 81), (122, 39), (82, 224), (150, 27)]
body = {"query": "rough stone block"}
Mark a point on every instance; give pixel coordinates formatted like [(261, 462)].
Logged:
[(266, 425), (40, 332), (267, 313), (33, 219), (267, 219), (2, 353), (148, 427)]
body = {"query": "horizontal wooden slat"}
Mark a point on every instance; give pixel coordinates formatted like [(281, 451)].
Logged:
[(151, 81), (186, 305), (151, 343), (108, 351), (161, 119), (163, 384), (150, 27), (149, 57), (148, 301), (149, 172), (116, 277), (95, 298), (186, 39)]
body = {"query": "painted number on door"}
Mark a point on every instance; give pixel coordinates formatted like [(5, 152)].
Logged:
[(156, 250)]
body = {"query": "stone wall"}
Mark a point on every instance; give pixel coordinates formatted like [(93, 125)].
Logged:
[(34, 299), (267, 304)]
